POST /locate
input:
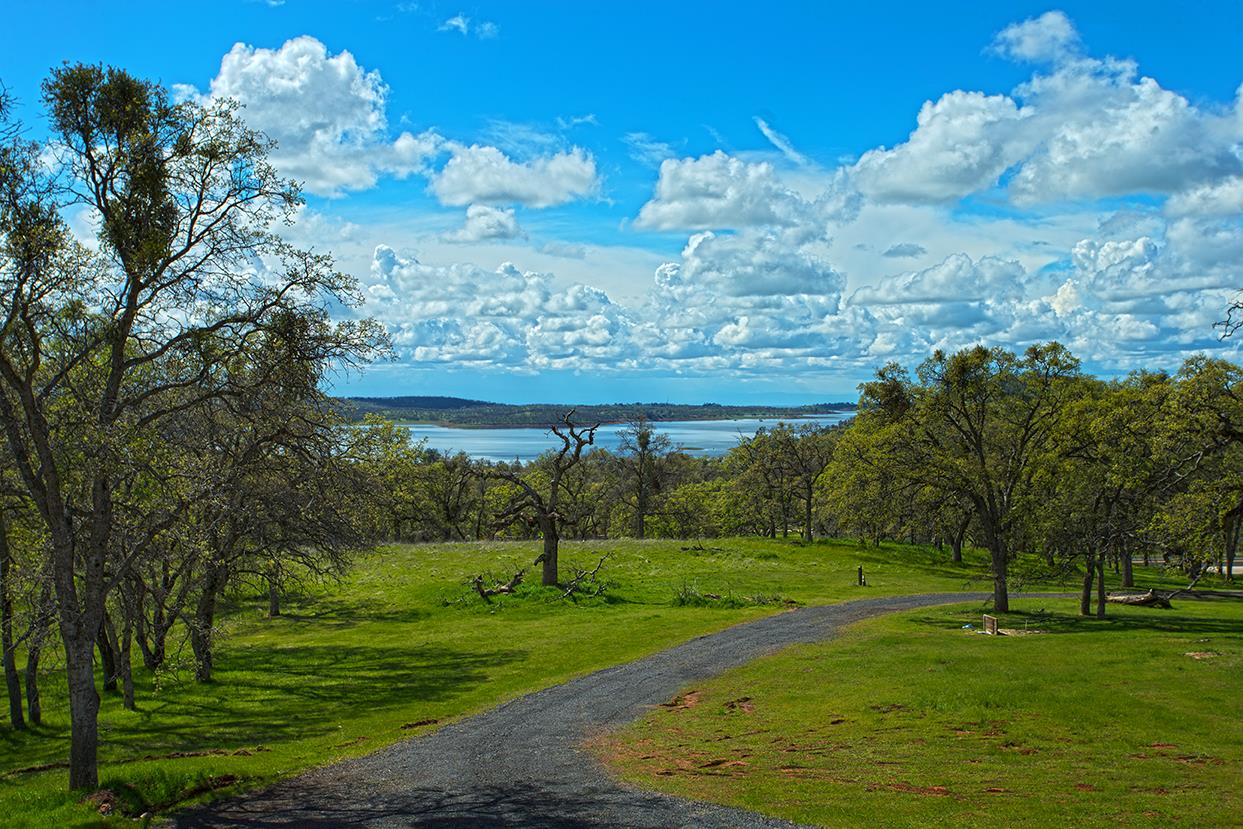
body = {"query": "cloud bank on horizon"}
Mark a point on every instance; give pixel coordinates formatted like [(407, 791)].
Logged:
[(1089, 204)]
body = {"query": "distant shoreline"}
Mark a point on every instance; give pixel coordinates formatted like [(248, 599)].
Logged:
[(448, 424), (462, 413)]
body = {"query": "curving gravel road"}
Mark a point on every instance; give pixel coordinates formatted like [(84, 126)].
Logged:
[(522, 765)]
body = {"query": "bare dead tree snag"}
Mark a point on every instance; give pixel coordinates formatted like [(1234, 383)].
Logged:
[(540, 509)]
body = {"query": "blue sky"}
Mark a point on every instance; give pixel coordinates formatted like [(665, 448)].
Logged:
[(724, 201)]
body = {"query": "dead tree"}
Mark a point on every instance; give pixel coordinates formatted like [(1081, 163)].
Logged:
[(540, 509)]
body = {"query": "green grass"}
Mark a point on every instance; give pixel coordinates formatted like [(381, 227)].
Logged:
[(908, 720), (401, 641)]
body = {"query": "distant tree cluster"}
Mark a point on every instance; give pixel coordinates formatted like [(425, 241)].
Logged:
[(1025, 454), (1012, 453)]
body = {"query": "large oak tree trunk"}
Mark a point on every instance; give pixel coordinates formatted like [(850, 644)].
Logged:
[(1001, 590), (83, 709), (549, 557)]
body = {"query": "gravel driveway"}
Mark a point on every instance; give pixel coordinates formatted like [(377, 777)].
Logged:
[(521, 765)]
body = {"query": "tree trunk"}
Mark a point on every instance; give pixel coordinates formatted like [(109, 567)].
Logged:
[(549, 558), (34, 649), (1085, 595), (1128, 569), (34, 705), (11, 679), (107, 658), (83, 709), (127, 668), (808, 534), (274, 599), (640, 523), (1100, 586), (960, 535), (1232, 547), (1001, 591), (204, 620)]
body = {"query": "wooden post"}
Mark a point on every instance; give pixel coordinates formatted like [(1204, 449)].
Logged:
[(862, 581)]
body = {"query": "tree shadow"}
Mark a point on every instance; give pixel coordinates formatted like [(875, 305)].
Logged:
[(326, 611), (517, 805), (1153, 619), (268, 695)]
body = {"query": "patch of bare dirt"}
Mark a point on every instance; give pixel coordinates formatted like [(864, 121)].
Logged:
[(419, 724), (688, 700), (104, 801), (742, 704), (924, 791)]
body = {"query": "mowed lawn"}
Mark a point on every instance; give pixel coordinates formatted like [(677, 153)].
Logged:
[(402, 645), (908, 720)]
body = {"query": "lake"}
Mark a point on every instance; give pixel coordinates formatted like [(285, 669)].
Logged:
[(695, 437)]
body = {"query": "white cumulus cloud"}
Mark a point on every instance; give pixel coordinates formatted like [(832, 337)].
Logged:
[(1049, 37), (325, 111), (485, 175), (484, 222)]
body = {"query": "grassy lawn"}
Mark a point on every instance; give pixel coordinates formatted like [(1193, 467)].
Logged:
[(908, 720), (401, 641), (402, 645)]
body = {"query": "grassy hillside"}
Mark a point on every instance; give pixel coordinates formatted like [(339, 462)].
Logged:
[(402, 645), (909, 720)]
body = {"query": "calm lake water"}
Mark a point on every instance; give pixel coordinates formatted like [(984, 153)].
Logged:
[(696, 437)]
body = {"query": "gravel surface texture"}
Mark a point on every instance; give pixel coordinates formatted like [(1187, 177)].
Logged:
[(523, 765)]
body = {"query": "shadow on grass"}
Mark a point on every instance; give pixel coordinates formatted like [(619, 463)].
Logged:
[(1163, 621), (330, 612), (269, 695), (518, 805)]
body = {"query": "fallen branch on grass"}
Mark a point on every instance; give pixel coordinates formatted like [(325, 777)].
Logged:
[(1154, 597), (586, 582), (486, 593), (1150, 599)]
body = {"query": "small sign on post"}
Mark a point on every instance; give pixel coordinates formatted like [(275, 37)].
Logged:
[(990, 625)]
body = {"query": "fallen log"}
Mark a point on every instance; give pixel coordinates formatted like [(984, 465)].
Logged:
[(486, 593), (1150, 599)]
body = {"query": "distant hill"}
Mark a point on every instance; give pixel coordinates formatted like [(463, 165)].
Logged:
[(418, 403), (457, 411)]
